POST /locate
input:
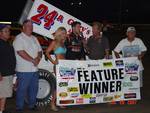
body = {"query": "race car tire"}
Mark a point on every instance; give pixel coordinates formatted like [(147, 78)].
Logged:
[(47, 85)]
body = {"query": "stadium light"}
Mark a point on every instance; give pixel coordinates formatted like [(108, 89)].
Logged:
[(5, 22)]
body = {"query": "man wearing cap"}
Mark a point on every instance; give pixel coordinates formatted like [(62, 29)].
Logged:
[(130, 47), (7, 66), (28, 54)]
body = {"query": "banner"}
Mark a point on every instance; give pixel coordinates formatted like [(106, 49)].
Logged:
[(97, 81), (47, 18)]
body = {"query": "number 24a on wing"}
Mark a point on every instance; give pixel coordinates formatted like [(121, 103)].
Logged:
[(49, 17)]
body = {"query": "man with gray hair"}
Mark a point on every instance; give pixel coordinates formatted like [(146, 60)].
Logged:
[(132, 46)]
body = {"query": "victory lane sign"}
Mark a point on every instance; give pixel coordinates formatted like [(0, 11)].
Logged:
[(97, 81)]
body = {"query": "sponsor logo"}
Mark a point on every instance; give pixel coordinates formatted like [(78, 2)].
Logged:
[(66, 101), (100, 95), (67, 73), (74, 95), (131, 68), (72, 89), (117, 96), (63, 84), (108, 98), (93, 100), (133, 89), (79, 100), (86, 95), (119, 63), (107, 64), (63, 94), (93, 65), (127, 84), (134, 78), (129, 95)]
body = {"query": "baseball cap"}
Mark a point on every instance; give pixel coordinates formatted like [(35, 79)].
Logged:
[(2, 26), (131, 29)]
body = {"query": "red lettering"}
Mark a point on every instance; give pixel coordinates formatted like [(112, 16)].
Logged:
[(60, 18), (49, 19), (131, 102), (122, 102), (42, 10), (70, 21)]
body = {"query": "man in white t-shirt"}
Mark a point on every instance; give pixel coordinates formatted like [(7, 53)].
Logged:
[(28, 54), (130, 47)]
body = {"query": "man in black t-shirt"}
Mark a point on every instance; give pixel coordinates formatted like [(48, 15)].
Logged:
[(74, 43), (7, 66), (97, 44)]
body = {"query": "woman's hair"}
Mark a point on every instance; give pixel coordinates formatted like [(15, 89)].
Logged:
[(58, 35)]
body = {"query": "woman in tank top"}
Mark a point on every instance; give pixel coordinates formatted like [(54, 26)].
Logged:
[(57, 46)]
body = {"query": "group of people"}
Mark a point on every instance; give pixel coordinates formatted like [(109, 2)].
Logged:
[(24, 56)]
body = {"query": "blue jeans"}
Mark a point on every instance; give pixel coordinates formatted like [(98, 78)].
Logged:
[(27, 88)]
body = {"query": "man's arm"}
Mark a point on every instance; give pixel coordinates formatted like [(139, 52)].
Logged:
[(107, 53), (141, 55), (39, 49), (143, 50), (86, 45), (117, 54), (38, 58), (25, 56), (39, 55), (118, 48), (67, 42), (106, 48), (82, 51)]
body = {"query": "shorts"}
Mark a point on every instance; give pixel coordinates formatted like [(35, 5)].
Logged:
[(6, 87)]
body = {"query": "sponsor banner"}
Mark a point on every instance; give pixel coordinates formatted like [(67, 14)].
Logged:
[(47, 18), (97, 81)]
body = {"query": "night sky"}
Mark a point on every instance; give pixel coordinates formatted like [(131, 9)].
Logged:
[(114, 11)]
